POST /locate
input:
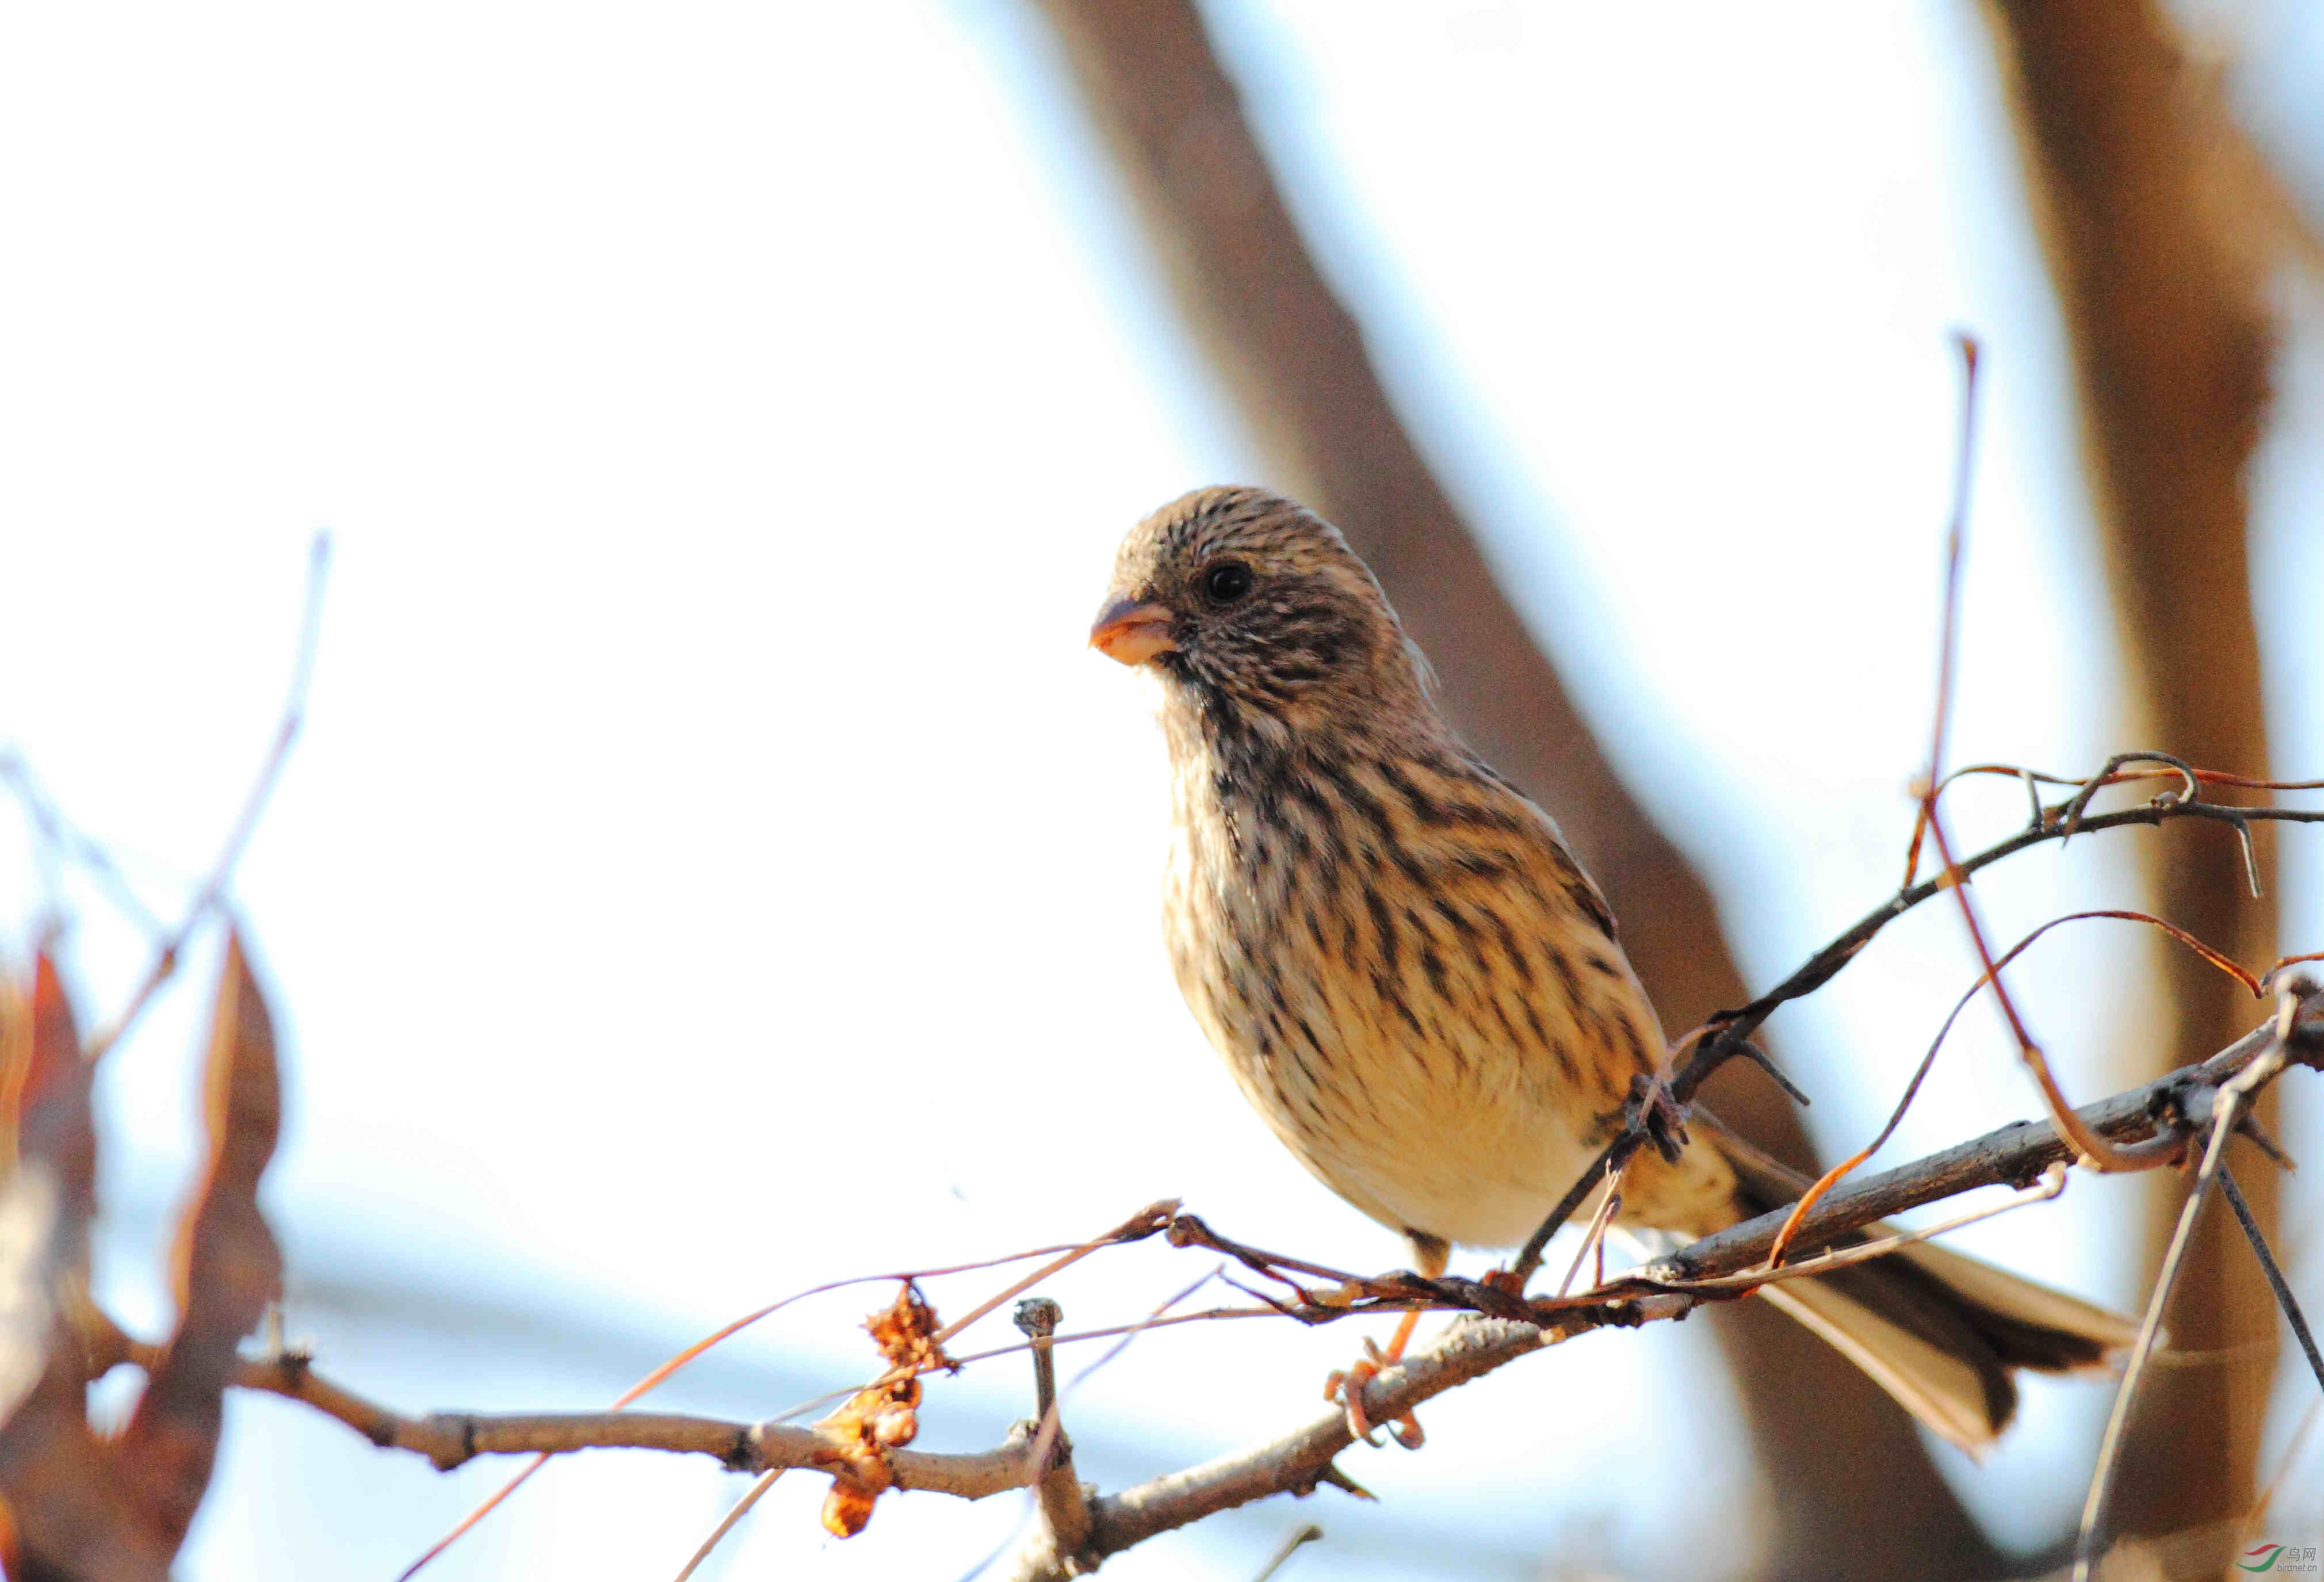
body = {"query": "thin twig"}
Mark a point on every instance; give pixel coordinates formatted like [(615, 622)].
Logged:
[(727, 1331), (1729, 1030), (2118, 776), (1956, 538), (1289, 1546), (2190, 778), (2276, 1282), (1948, 618), (2290, 1455), (1830, 1178), (1595, 1237), (2052, 1183), (2117, 1419), (245, 824), (741, 1508), (61, 838), (2190, 788), (2092, 1147), (1145, 1223), (2226, 1105), (1132, 1329), (1151, 1217)]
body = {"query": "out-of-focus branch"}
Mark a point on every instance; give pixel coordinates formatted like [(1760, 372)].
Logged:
[(2159, 244), (1865, 1498)]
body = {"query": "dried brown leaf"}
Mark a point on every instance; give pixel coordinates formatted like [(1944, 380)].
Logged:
[(228, 1266), (50, 1182), (46, 1097), (61, 1511)]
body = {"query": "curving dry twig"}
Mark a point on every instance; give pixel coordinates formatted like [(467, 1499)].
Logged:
[(245, 823), (2163, 1115), (1731, 1030), (2229, 1102)]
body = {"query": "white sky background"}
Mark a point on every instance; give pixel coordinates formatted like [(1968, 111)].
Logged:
[(713, 864)]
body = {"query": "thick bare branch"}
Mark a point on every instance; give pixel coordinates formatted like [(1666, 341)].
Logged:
[(2161, 247)]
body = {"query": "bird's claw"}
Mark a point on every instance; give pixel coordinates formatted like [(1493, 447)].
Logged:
[(1349, 1387), (1654, 1110)]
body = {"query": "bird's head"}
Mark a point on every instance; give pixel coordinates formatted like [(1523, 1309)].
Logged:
[(1251, 601)]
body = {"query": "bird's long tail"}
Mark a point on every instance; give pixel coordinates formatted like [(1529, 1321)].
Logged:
[(1941, 1332)]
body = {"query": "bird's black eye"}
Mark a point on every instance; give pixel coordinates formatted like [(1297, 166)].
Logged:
[(1225, 583)]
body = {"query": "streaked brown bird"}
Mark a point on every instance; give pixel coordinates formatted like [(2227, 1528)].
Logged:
[(1417, 987)]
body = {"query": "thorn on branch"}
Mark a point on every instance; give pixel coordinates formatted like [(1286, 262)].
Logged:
[(1329, 1473), (2250, 1128), (2250, 859), (1766, 1062)]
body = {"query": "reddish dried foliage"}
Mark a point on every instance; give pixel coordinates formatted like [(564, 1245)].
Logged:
[(72, 1504), (884, 1417)]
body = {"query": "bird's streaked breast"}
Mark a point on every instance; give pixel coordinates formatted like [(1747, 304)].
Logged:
[(1406, 974)]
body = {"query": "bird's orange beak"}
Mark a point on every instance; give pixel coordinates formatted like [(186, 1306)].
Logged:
[(1131, 632)]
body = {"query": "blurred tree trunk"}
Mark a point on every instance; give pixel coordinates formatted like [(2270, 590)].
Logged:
[(2160, 270), (1857, 1493)]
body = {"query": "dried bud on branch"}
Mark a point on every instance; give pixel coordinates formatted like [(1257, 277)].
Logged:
[(883, 1416)]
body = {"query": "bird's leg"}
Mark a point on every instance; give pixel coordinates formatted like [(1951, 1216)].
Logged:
[(1429, 1255)]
